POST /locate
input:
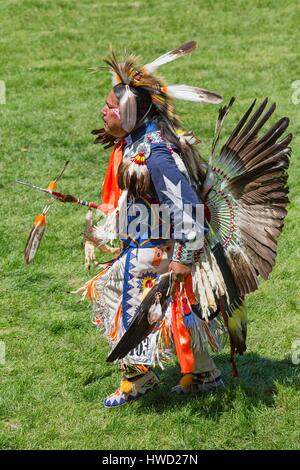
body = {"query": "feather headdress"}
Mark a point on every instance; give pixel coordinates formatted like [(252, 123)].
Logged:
[(128, 73)]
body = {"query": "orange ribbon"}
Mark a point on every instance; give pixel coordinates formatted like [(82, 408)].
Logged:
[(180, 333), (110, 190)]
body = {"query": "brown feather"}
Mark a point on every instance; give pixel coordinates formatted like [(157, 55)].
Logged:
[(244, 274), (33, 242), (137, 184)]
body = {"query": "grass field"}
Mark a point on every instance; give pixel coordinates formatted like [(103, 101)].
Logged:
[(55, 376)]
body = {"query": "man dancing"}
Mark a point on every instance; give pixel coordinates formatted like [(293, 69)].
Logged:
[(156, 174)]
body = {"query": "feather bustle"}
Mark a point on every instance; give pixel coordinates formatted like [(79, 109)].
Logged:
[(248, 195)]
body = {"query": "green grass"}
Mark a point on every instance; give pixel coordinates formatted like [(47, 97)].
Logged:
[(55, 376)]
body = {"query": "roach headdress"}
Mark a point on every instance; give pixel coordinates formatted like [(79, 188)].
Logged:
[(128, 73)]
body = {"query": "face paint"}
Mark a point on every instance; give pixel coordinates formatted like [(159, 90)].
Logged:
[(116, 112), (111, 116)]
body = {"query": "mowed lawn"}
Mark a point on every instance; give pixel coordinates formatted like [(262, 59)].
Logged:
[(55, 376)]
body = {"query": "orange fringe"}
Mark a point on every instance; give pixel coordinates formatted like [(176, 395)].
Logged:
[(143, 369), (114, 332), (164, 332), (188, 287), (90, 285), (181, 335)]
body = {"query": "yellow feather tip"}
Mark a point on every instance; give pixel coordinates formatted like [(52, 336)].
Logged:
[(234, 323), (126, 386), (52, 185), (186, 380), (241, 313)]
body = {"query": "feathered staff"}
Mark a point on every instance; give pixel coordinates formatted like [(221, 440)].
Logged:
[(38, 229), (62, 197)]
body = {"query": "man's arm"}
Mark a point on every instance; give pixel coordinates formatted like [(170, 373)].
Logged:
[(175, 192)]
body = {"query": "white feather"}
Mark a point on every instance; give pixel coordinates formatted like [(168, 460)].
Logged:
[(114, 79), (170, 56), (155, 313), (128, 110), (191, 93)]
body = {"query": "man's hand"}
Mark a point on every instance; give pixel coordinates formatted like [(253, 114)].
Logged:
[(89, 254), (180, 271)]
